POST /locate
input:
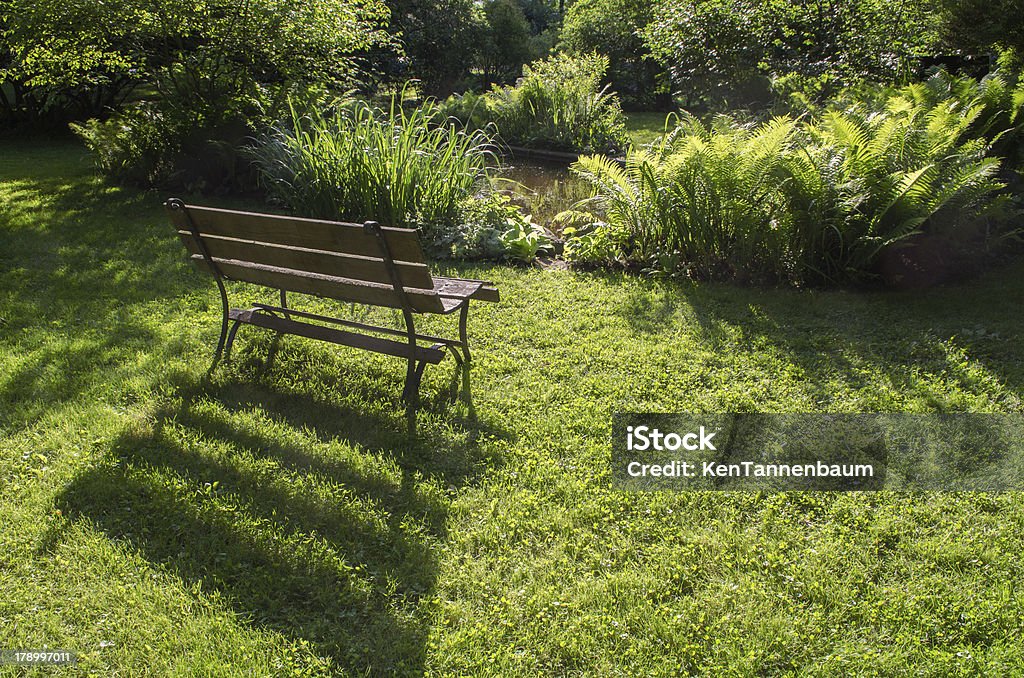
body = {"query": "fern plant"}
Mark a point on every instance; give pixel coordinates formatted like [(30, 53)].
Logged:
[(797, 200), (904, 170), (705, 200)]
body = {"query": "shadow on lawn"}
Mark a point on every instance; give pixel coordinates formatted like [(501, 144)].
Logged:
[(79, 262), (836, 334), (305, 532), (83, 247)]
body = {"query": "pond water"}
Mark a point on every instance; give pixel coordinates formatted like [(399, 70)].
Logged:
[(541, 188), (534, 174)]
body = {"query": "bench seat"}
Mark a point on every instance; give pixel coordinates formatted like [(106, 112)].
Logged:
[(358, 263)]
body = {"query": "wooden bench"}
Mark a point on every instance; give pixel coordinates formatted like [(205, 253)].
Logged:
[(360, 263)]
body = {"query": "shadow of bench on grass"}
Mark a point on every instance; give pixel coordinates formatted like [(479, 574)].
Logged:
[(325, 533)]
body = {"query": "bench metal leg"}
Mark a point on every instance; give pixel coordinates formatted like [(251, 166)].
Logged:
[(416, 358), (231, 340), (284, 305), (467, 358), (410, 378), (223, 323), (234, 330), (411, 394)]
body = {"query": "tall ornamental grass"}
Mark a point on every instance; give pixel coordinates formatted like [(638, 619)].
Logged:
[(806, 202), (401, 168)]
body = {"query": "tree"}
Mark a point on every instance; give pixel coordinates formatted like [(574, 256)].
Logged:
[(219, 49), (981, 25), (613, 28), (439, 40), (211, 74), (727, 49), (65, 59), (199, 55), (539, 13), (505, 45)]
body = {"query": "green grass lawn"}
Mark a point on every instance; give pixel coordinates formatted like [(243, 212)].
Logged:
[(645, 127), (276, 520)]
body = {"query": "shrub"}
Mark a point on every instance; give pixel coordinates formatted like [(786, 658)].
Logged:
[(133, 147), (614, 28), (401, 168), (68, 60), (161, 144), (492, 227), (559, 104), (436, 43)]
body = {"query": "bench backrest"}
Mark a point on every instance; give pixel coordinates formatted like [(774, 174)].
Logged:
[(344, 261)]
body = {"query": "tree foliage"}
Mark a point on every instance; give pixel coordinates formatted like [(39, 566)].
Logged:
[(727, 49), (450, 45), (613, 28), (437, 39), (60, 58), (506, 41), (215, 71), (199, 53), (981, 25)]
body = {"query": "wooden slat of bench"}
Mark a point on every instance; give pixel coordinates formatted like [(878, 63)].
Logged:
[(351, 266), (484, 292), (377, 344), (316, 234), (456, 289), (342, 289)]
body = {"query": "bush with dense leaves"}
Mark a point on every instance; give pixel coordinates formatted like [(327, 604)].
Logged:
[(63, 60), (435, 43), (614, 28), (978, 26)]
